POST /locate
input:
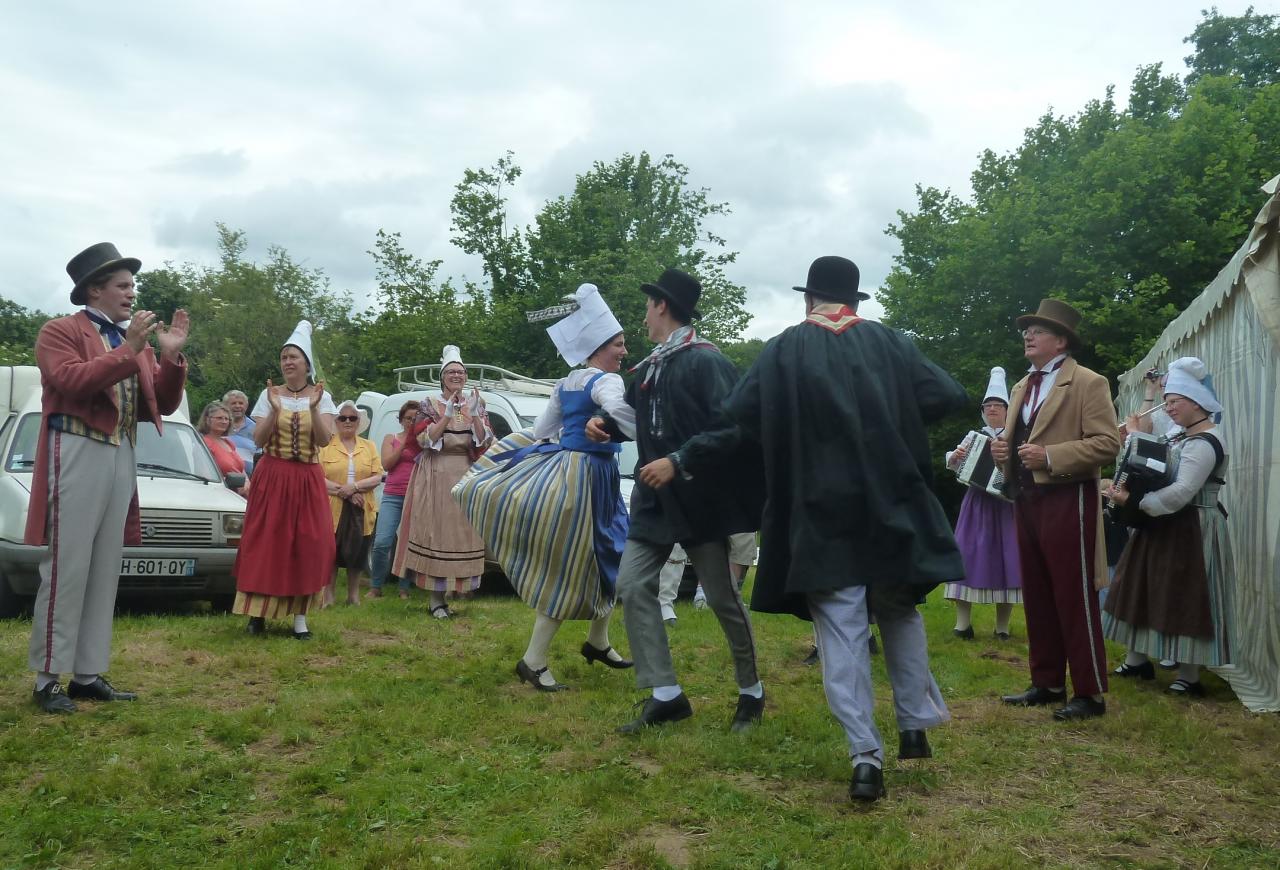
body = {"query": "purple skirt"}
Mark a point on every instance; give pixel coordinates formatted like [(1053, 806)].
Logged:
[(989, 547)]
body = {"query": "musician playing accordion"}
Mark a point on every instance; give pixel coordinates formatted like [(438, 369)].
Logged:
[(985, 530), (1170, 595)]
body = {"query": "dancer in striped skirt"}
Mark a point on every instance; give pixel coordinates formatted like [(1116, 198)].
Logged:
[(550, 510)]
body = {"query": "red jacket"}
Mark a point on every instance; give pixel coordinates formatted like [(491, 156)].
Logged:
[(77, 376)]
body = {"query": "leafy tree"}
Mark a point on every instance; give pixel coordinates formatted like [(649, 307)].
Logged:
[(241, 312), (1246, 45), (19, 327), (1126, 213)]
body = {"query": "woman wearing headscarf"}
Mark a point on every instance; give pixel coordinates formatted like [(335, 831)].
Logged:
[(352, 471), (286, 552), (984, 532), (435, 540), (1170, 598), (550, 510)]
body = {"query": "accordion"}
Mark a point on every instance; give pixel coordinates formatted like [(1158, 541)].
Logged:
[(979, 470), (1146, 464)]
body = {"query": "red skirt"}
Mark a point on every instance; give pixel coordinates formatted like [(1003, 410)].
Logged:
[(287, 548)]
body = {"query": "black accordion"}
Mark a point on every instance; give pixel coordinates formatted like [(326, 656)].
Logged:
[(1146, 464), (979, 470)]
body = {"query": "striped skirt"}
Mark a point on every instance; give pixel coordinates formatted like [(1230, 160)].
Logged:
[(554, 521)]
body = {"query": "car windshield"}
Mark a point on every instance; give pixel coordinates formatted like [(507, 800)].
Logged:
[(180, 453)]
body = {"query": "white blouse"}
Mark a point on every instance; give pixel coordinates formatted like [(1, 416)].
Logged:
[(609, 394), (292, 403)]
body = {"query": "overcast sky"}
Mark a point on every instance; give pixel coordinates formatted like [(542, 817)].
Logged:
[(311, 125)]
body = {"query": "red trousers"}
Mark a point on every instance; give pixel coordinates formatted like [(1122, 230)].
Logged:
[(1057, 534)]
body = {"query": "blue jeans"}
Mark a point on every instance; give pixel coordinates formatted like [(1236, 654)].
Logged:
[(384, 540)]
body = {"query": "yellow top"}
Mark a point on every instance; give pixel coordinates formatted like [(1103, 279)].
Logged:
[(292, 438), (335, 460)]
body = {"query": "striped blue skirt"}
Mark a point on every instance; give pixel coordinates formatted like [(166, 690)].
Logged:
[(553, 519)]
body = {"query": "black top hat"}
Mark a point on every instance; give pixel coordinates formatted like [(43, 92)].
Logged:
[(834, 278), (94, 262), (679, 290), (1057, 316)]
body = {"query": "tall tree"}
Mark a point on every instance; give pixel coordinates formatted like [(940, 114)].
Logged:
[(19, 327)]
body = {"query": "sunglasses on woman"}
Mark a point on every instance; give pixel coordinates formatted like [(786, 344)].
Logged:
[(344, 418)]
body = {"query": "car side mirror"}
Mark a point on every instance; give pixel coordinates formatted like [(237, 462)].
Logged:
[(234, 481)]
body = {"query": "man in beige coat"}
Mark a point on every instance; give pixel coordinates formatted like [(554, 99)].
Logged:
[(1062, 429)]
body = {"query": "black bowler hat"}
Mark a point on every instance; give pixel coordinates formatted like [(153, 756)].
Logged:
[(677, 289), (93, 262), (834, 278)]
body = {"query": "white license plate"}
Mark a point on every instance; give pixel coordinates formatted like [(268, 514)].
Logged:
[(158, 567)]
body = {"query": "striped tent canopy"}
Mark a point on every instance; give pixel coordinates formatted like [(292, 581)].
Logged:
[(1234, 326)]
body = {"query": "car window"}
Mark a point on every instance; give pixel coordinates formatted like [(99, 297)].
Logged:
[(22, 454), (180, 448), (500, 425)]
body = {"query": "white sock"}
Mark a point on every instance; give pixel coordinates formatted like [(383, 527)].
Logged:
[(964, 615), (598, 634), (756, 691), (43, 679), (84, 679), (544, 629), (1190, 673), (667, 693), (1003, 614), (299, 623), (872, 758), (1135, 659)]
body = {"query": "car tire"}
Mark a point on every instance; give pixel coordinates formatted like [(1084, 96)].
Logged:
[(12, 604), (222, 603)]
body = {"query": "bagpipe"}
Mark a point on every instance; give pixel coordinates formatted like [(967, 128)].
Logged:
[(1147, 463), (979, 469)]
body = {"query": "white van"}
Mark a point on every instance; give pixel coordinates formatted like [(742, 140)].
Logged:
[(191, 522)]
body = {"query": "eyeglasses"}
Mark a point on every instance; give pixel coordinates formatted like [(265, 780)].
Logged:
[(343, 418), (1035, 332)]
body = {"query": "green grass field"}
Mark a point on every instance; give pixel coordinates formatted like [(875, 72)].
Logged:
[(394, 740)]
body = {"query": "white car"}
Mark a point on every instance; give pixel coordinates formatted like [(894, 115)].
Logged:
[(191, 522)]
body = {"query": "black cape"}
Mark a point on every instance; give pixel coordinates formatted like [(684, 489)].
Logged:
[(839, 419), (691, 388)]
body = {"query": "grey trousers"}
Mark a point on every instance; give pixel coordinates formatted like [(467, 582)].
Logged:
[(670, 576), (90, 487), (841, 622), (647, 633)]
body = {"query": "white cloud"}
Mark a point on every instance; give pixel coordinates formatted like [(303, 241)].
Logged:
[(311, 125)]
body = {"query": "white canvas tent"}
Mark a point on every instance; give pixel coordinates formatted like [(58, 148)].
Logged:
[(1234, 326)]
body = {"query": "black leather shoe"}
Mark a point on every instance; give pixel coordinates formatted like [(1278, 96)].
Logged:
[(302, 635), (1186, 688), (867, 783), (1001, 635), (257, 625), (655, 712), (99, 690), (530, 676), (963, 633), (872, 646), (913, 744), (1080, 707), (1035, 697), (812, 657), (591, 654), (749, 713), (1144, 671), (52, 699)]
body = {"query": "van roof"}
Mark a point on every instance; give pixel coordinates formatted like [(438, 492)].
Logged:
[(20, 391), (486, 377)]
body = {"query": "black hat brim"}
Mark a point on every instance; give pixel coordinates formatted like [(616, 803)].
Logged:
[(79, 292), (826, 294), (658, 292)]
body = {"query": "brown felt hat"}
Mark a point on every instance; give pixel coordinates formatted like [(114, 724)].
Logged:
[(1058, 316), (94, 262)]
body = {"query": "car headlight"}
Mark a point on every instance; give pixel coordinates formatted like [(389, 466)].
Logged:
[(232, 524)]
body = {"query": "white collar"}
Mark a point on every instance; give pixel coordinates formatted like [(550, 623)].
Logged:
[(93, 310), (1048, 367)]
